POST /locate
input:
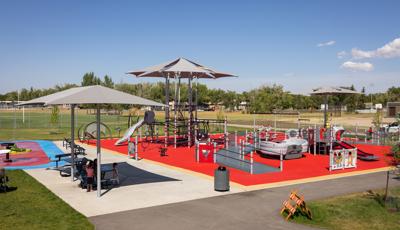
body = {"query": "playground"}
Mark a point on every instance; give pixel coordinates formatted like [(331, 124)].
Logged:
[(306, 167), (174, 146)]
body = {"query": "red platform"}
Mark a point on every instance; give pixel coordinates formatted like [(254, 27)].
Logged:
[(307, 167)]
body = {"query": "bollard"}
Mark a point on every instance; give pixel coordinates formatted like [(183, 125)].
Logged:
[(281, 161)]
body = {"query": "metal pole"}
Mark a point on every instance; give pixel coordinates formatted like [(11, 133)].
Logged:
[(236, 138), (315, 139), (325, 110), (196, 98), (190, 112), (197, 150), (136, 148), (23, 114), (166, 125), (254, 122), (356, 132), (281, 161), (226, 132), (72, 141), (251, 162), (175, 107), (215, 152), (98, 144)]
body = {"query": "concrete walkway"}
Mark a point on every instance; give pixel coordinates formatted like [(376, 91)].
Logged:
[(248, 210), (142, 184)]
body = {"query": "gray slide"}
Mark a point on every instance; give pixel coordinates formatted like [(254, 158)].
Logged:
[(129, 132)]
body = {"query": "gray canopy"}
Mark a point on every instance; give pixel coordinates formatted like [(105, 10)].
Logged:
[(90, 95), (329, 90), (182, 68), (95, 94)]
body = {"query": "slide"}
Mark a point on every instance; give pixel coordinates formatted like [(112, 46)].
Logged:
[(129, 132), (360, 154)]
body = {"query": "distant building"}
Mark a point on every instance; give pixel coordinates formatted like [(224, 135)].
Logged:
[(392, 109)]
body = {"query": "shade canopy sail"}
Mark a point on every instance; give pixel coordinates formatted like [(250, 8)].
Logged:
[(182, 68), (95, 94), (332, 90)]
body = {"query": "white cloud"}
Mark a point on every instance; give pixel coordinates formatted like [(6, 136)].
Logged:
[(390, 50), (341, 54), (357, 66), (326, 43)]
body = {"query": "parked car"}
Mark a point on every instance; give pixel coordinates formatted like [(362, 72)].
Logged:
[(392, 127)]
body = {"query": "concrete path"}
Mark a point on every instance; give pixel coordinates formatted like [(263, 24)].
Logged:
[(143, 184), (247, 210)]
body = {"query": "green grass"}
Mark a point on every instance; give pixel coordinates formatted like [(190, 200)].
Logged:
[(32, 206), (356, 211)]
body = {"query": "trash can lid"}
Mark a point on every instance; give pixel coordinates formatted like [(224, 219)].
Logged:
[(221, 168)]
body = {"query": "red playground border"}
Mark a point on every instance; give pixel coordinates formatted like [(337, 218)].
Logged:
[(307, 167)]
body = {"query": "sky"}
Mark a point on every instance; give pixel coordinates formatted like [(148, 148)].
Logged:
[(297, 44)]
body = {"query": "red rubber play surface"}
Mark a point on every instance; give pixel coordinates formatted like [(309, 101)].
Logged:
[(26, 159), (307, 167)]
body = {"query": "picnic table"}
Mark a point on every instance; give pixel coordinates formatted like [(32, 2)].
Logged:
[(7, 153)]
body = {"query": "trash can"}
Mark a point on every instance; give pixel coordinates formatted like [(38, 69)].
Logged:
[(221, 179)]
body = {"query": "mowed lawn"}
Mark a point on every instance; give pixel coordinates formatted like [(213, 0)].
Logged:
[(32, 206), (36, 122), (351, 212)]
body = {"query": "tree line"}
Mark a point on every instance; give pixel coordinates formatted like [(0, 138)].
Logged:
[(266, 98)]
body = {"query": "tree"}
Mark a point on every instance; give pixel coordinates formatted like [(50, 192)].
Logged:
[(54, 117), (90, 79), (108, 82)]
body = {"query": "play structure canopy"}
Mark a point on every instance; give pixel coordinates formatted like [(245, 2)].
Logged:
[(330, 90), (90, 95), (181, 68)]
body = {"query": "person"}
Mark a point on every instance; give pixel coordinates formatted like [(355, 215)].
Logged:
[(89, 176), (369, 133), (115, 176)]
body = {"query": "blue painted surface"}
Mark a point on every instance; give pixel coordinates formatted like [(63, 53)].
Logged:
[(49, 148)]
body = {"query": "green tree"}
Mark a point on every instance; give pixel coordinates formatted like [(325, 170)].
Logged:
[(108, 82)]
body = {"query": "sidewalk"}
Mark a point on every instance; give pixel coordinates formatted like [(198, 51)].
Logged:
[(248, 210)]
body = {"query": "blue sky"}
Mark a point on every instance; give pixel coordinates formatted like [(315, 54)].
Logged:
[(292, 43)]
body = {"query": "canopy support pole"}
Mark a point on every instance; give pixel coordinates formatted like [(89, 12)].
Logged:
[(325, 109), (72, 141), (98, 145), (190, 112), (166, 126), (175, 107)]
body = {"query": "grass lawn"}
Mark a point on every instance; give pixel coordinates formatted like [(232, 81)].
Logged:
[(356, 211), (36, 122), (32, 206)]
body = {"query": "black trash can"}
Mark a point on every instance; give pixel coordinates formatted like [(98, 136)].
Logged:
[(221, 179)]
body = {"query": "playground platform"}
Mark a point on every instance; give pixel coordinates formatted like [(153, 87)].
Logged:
[(308, 167)]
